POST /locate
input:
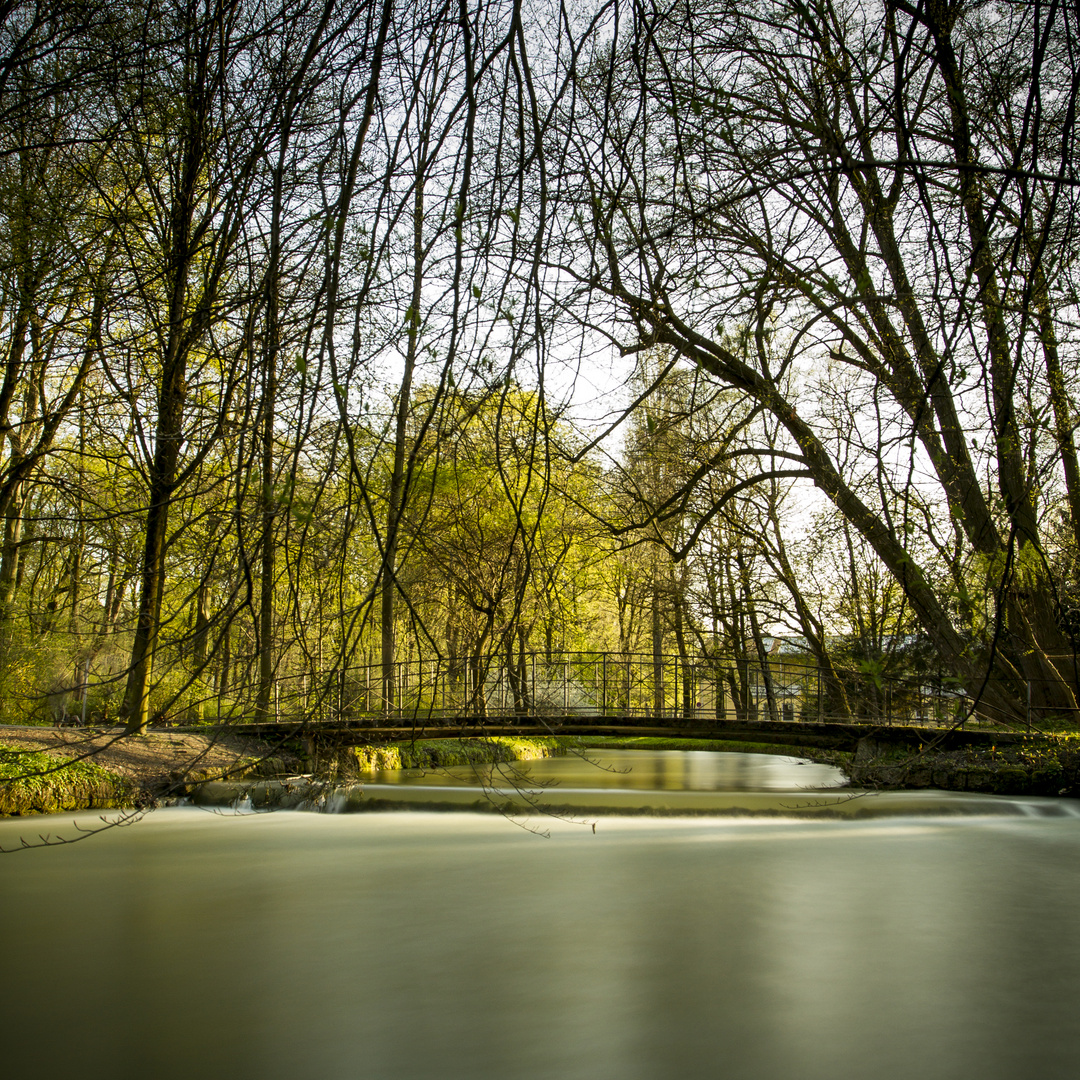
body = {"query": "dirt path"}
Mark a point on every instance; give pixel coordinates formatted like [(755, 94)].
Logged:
[(151, 760)]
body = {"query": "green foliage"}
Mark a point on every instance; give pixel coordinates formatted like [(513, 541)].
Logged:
[(151, 303), (442, 753), (498, 545), (32, 782), (1037, 766)]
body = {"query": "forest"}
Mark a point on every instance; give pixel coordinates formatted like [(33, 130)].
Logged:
[(339, 338)]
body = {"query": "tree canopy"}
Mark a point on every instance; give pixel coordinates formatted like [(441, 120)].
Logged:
[(302, 307)]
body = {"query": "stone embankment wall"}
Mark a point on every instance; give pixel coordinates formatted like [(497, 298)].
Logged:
[(1041, 765)]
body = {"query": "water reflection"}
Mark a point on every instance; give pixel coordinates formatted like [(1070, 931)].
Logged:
[(665, 782), (641, 770)]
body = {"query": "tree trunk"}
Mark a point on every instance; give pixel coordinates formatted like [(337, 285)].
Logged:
[(684, 662), (11, 554), (759, 644), (657, 646), (162, 472), (268, 511)]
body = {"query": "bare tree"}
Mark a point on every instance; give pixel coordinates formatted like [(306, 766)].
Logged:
[(825, 171)]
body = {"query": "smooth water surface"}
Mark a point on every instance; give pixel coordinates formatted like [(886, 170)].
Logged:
[(611, 781), (444, 946), (639, 770)]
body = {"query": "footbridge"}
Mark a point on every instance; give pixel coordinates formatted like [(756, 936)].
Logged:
[(770, 698)]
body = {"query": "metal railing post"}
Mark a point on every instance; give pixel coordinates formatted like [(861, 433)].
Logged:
[(603, 691), (675, 679)]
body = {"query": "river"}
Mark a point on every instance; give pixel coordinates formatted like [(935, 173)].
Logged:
[(937, 944)]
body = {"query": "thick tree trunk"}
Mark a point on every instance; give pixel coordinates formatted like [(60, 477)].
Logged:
[(1001, 689), (11, 554), (183, 329), (1029, 612), (162, 472), (513, 675), (16, 494), (136, 706)]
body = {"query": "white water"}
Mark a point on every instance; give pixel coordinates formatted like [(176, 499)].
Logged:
[(418, 945)]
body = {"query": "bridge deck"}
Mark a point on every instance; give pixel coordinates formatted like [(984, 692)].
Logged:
[(841, 736)]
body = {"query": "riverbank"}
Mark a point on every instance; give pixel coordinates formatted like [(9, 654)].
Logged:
[(49, 770), (1038, 765), (53, 770)]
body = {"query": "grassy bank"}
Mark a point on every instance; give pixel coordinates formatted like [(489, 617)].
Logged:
[(442, 753), (37, 783)]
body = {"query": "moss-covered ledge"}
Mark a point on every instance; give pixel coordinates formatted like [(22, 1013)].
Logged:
[(443, 753), (33, 782), (1039, 765)]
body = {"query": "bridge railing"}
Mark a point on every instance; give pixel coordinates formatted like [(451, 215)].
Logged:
[(634, 688)]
